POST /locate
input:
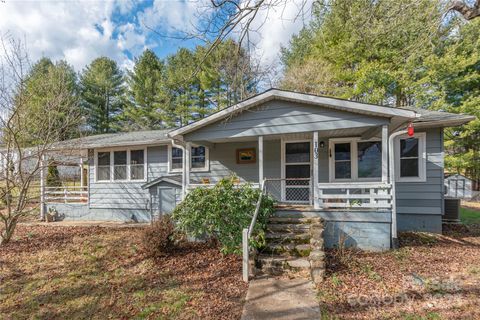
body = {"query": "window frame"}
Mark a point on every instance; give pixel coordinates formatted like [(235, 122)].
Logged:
[(204, 169), (353, 159), (422, 158), (112, 166)]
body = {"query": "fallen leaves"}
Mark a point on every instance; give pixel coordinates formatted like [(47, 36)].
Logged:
[(94, 272), (430, 277)]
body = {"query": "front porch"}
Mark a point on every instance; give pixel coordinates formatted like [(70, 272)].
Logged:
[(323, 170)]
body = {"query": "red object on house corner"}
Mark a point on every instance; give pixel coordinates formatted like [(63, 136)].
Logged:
[(410, 130)]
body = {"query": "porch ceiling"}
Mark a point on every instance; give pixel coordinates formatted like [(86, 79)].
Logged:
[(337, 133)]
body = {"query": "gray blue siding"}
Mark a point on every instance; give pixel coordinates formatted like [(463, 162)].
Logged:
[(281, 117), (420, 204)]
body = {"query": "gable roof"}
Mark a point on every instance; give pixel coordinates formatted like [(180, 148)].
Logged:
[(277, 94), (421, 117), (173, 179)]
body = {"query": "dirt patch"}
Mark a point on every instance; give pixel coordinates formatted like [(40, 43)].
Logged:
[(95, 272), (430, 277)]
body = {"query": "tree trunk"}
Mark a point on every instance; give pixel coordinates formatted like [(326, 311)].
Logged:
[(7, 233)]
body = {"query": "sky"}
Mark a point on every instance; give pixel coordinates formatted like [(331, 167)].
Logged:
[(80, 31)]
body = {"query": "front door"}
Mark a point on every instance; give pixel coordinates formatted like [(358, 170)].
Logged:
[(297, 172)]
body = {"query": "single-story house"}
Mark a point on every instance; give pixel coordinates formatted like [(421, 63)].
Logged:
[(351, 163)]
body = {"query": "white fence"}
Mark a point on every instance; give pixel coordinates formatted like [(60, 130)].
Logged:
[(66, 194)]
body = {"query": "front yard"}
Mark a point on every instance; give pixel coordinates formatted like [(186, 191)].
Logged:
[(91, 272), (429, 277)]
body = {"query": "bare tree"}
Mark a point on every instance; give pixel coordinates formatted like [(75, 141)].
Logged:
[(21, 160)]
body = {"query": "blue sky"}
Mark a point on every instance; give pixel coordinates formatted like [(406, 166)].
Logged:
[(79, 31)]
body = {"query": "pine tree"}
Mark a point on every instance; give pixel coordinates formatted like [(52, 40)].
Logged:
[(45, 84), (147, 101), (102, 89)]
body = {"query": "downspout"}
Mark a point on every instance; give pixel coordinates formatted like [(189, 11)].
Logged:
[(391, 168)]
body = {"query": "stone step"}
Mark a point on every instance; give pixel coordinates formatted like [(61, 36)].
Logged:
[(297, 237), (288, 227), (289, 220), (294, 214), (290, 249)]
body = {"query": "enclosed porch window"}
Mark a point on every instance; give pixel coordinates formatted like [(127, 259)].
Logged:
[(120, 165), (198, 158), (352, 160)]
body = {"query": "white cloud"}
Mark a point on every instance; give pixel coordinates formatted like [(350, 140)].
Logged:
[(174, 16), (71, 30), (275, 25)]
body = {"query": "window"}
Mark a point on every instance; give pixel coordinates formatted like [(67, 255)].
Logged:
[(103, 166), (198, 158), (369, 155), (410, 158), (120, 165), (352, 159), (343, 163), (137, 165), (177, 159)]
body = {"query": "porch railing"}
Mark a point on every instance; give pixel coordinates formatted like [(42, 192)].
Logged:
[(66, 194), (356, 195)]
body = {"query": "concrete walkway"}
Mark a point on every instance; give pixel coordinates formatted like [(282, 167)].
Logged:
[(281, 298)]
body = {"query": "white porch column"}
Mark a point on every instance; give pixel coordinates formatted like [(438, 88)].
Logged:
[(188, 151), (42, 188), (82, 178), (260, 159), (184, 174), (316, 203), (385, 153)]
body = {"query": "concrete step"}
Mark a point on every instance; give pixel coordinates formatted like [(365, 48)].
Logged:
[(276, 264), (288, 227)]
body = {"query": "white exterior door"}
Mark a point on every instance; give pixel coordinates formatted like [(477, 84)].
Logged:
[(297, 171)]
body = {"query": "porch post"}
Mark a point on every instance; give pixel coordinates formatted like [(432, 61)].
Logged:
[(260, 160), (385, 153), (184, 174), (82, 178), (42, 188), (188, 151), (316, 203)]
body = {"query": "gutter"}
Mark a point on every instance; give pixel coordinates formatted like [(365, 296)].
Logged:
[(391, 167)]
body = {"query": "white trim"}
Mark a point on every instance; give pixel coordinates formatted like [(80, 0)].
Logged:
[(204, 169), (353, 159), (385, 153), (111, 151), (316, 203), (333, 103), (260, 159), (284, 141), (422, 158)]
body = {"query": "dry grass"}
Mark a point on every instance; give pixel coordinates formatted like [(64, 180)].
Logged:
[(429, 277), (100, 273)]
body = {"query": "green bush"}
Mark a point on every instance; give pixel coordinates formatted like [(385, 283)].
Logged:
[(222, 212)]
